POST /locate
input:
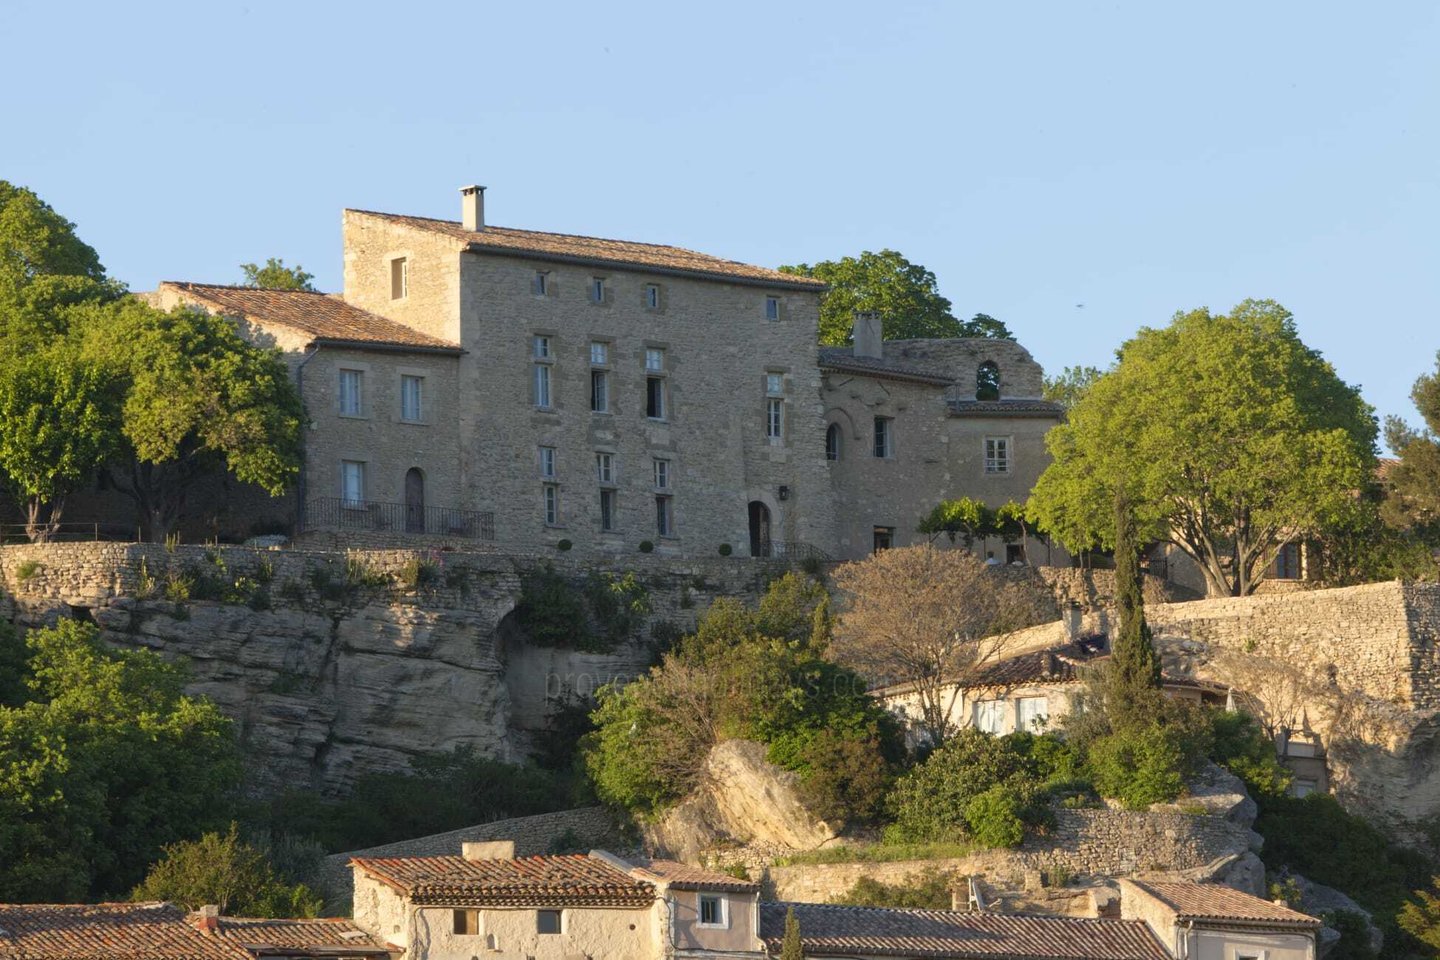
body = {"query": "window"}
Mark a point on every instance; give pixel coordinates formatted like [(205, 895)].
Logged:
[(990, 716), (987, 381), (541, 347), (1014, 554), (662, 474), (540, 285), (654, 360), (775, 407), (1287, 562), (774, 384), (884, 538), (352, 483), (599, 353), (607, 510), (466, 922), (997, 454), (541, 352), (655, 398), (547, 921), (1032, 714), (772, 308), (712, 911), (599, 379), (399, 278), (605, 467), (547, 462), (552, 505), (411, 392), (597, 290), (832, 442), (884, 439), (664, 516), (351, 383), (652, 296)]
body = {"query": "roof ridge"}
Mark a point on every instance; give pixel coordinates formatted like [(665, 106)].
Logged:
[(241, 286), (922, 911)]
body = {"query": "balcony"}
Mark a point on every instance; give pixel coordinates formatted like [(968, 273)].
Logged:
[(375, 516)]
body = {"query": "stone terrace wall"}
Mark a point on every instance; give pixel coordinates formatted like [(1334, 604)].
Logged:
[(1085, 843), (1422, 612), (588, 827)]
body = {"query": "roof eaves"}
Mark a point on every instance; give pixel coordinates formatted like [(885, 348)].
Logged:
[(885, 373), (521, 253), (386, 346)]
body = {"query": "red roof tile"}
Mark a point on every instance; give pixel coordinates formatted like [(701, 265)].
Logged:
[(566, 246), (682, 876), (338, 934), (324, 317), (1211, 901), (574, 880), (106, 931), (827, 930)]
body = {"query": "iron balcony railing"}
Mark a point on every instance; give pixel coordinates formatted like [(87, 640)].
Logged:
[(791, 550), (337, 513)]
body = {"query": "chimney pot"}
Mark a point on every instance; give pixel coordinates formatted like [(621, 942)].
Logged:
[(488, 850), (869, 335), (472, 207), (208, 919)]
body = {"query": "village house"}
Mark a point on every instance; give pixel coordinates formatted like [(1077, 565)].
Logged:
[(477, 381)]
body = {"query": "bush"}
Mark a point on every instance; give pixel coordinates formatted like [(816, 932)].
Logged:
[(1240, 746), (27, 569), (224, 871), (646, 546), (726, 549), (1140, 766), (994, 817), (846, 777), (931, 890), (550, 610), (564, 545), (420, 573)]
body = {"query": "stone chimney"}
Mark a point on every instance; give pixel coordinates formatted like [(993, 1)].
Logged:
[(207, 919), (868, 335), (1073, 615), (488, 850), (472, 207)]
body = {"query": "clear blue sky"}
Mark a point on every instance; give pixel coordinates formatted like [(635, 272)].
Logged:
[(1136, 158)]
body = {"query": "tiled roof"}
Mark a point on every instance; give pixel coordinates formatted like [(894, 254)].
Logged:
[(843, 358), (106, 931), (827, 930), (574, 880), (1006, 407), (682, 876), (1211, 901), (1042, 666), (323, 936), (324, 317), (564, 246)]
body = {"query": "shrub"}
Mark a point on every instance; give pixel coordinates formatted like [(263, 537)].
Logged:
[(222, 870), (550, 610), (1140, 766), (27, 569), (726, 549), (563, 545), (618, 607), (646, 546), (1240, 746), (846, 777), (994, 817), (420, 573), (931, 890)]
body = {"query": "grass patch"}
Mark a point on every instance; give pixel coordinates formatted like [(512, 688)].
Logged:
[(882, 853), (27, 569)]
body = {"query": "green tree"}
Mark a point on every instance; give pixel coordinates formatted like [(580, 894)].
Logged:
[(1229, 434), (43, 264), (905, 294), (1069, 385), (1420, 916), (1132, 676), (223, 870), (790, 947), (196, 397), (982, 325), (1412, 484), (104, 763), (964, 517), (274, 275)]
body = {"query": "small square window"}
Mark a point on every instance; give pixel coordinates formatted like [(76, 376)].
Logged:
[(774, 384), (597, 290), (884, 538), (547, 462), (540, 346), (662, 474), (712, 911), (466, 923), (652, 296), (997, 454), (399, 278), (607, 510), (884, 439), (547, 921), (772, 308), (411, 396), (605, 467), (599, 353), (654, 360)]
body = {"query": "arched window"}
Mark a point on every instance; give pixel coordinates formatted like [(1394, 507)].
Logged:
[(987, 381), (832, 442)]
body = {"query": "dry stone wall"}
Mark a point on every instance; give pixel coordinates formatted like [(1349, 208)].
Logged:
[(337, 664)]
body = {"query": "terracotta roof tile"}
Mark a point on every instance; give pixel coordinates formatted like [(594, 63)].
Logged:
[(682, 876), (871, 931), (337, 932), (106, 931), (574, 880), (1211, 901), (325, 317), (566, 246)]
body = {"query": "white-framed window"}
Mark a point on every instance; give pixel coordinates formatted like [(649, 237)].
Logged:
[(399, 278), (352, 483), (884, 437), (548, 922), (990, 716), (352, 385), (997, 454), (551, 500), (547, 462), (662, 473), (597, 289), (412, 398), (540, 347), (605, 467), (654, 360), (542, 353), (652, 296), (714, 911), (607, 510), (465, 923), (774, 419), (665, 516), (1032, 714), (772, 308), (599, 353), (540, 283)]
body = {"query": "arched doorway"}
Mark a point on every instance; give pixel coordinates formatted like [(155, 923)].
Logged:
[(759, 529), (414, 501)]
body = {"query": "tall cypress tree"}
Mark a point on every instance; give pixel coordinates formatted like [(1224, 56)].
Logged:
[(790, 946), (1133, 676)]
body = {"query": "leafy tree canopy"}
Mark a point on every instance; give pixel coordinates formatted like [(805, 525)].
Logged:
[(223, 870), (274, 275), (43, 264), (1413, 501), (1069, 385), (104, 762), (905, 294), (1229, 434)]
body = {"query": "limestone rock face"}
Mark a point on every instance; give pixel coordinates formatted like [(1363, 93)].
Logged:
[(744, 798), (1219, 793)]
